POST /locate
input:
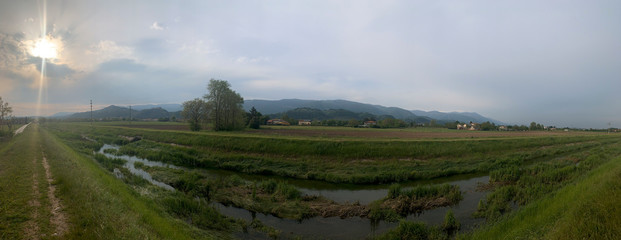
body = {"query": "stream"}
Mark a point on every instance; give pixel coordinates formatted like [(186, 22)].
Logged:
[(334, 227)]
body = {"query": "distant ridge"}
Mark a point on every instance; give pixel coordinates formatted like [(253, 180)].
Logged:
[(124, 113), (267, 107), (457, 116), (278, 106), (341, 109)]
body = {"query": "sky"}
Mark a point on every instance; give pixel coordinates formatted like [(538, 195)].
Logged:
[(552, 62)]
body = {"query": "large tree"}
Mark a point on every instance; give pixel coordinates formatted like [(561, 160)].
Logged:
[(195, 112), (224, 106), (254, 118)]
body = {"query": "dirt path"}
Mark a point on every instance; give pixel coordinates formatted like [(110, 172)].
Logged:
[(58, 218), (32, 228), (21, 129)]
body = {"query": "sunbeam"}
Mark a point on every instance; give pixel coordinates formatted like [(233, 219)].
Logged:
[(43, 49)]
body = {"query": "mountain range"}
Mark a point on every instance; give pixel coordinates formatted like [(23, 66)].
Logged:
[(307, 109), (277, 107), (112, 112)]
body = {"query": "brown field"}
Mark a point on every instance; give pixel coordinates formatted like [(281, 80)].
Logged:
[(411, 134), (345, 132), (176, 127)]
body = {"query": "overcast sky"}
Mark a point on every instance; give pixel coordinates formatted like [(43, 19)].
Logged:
[(553, 62)]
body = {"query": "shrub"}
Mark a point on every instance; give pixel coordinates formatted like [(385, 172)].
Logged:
[(394, 191), (450, 222)]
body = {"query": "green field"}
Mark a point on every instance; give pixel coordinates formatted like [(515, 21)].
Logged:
[(541, 183)]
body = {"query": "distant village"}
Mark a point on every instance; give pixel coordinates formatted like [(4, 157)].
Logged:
[(470, 126)]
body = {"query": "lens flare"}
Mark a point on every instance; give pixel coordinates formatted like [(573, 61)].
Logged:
[(44, 48)]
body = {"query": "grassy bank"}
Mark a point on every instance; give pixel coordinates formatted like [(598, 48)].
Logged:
[(96, 204), (588, 209), (340, 161)]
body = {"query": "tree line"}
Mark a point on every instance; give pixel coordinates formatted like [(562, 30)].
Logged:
[(221, 108), (6, 116)]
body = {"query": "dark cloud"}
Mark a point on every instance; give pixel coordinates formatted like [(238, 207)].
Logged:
[(12, 52), (513, 61)]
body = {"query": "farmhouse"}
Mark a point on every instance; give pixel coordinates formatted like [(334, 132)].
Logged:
[(277, 122), (369, 123), (462, 126), (304, 122)]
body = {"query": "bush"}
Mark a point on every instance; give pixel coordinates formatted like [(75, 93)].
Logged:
[(414, 231), (268, 186), (450, 222), (394, 191)]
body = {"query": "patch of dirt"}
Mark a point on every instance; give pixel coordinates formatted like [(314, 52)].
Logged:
[(404, 205), (32, 228), (327, 208), (403, 134), (58, 218)]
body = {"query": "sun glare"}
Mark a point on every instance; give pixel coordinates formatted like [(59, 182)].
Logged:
[(44, 49)]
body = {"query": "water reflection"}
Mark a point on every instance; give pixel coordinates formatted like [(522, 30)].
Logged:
[(334, 227), (136, 171)]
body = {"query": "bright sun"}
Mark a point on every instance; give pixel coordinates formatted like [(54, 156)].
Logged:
[(44, 49)]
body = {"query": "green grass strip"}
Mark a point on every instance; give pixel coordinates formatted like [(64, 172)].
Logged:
[(103, 207), (588, 209)]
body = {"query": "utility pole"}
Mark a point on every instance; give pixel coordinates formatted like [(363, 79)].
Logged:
[(609, 123), (91, 112), (130, 114)]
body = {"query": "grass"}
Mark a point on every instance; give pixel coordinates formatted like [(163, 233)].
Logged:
[(341, 161), (97, 205), (524, 170), (402, 202), (16, 186), (522, 185), (587, 209)]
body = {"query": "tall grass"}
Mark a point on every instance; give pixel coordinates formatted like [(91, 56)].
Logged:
[(339, 161), (522, 185), (103, 207), (588, 209)]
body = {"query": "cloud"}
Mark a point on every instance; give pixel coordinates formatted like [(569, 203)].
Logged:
[(199, 47), (157, 26), (244, 59), (12, 51), (121, 65), (107, 50)]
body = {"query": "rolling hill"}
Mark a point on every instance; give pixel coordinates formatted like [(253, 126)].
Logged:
[(112, 112), (295, 108), (267, 107)]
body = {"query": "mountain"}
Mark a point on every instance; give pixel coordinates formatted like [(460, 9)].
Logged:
[(457, 116), (267, 107), (331, 114), (107, 112), (61, 114), (172, 107), (123, 112)]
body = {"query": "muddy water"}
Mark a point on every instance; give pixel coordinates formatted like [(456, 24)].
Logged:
[(335, 227), (361, 228), (136, 171)]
